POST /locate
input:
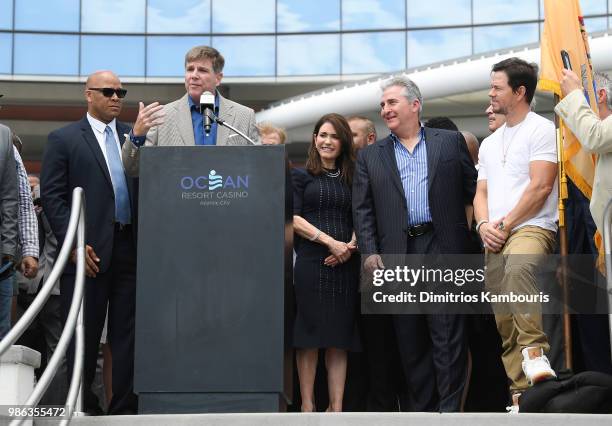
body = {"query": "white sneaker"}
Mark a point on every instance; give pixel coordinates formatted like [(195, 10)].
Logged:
[(512, 409), (536, 366)]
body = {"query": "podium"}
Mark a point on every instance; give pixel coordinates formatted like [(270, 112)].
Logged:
[(214, 301)]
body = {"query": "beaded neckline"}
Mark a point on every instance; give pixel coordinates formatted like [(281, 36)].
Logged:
[(332, 174)]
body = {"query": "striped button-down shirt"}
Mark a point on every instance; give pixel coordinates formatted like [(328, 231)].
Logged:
[(28, 224), (412, 169)]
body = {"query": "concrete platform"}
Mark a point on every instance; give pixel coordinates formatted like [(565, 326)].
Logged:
[(344, 419)]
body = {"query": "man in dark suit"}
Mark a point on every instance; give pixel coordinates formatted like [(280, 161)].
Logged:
[(87, 153), (410, 194)]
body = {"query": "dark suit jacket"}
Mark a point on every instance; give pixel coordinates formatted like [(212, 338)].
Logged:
[(73, 158), (380, 212)]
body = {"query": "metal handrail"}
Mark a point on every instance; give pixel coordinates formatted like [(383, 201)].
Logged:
[(607, 239), (76, 229)]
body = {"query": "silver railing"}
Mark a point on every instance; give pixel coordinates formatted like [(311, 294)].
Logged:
[(74, 322), (607, 237)]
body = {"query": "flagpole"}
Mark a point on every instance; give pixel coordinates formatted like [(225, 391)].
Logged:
[(567, 326)]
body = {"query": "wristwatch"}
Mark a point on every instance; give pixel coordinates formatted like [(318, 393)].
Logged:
[(137, 140)]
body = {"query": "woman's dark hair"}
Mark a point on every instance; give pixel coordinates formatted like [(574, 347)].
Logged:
[(346, 160)]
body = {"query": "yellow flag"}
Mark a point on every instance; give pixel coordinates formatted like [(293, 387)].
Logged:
[(564, 30)]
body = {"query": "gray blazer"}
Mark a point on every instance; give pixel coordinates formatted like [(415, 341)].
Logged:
[(45, 261), (595, 135), (177, 129), (9, 199)]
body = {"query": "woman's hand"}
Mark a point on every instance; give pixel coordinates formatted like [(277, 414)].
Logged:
[(339, 250)]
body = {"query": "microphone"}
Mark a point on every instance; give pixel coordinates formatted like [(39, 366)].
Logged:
[(207, 105)]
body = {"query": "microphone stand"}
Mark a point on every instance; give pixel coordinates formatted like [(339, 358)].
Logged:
[(217, 120)]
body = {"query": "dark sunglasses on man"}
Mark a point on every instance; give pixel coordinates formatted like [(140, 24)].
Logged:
[(109, 91)]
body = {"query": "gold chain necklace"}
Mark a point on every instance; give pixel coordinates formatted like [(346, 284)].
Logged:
[(504, 149)]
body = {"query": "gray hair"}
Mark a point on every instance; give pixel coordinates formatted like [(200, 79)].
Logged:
[(602, 81), (410, 89)]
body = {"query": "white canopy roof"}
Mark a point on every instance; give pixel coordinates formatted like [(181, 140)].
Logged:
[(441, 80)]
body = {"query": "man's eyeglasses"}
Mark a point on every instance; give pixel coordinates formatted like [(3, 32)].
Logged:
[(109, 91)]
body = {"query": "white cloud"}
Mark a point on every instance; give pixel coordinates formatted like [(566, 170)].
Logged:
[(308, 55), (243, 16), (503, 10), (504, 36), (429, 46), (113, 16), (455, 12), (246, 56), (366, 53), (194, 19), (290, 21), (371, 14)]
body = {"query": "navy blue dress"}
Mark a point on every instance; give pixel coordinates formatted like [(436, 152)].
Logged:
[(327, 297)]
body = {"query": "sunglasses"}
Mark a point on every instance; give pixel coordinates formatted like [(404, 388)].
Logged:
[(109, 91)]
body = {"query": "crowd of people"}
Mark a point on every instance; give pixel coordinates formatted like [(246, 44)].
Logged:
[(423, 188)]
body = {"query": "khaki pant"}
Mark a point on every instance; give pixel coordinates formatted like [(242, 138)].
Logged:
[(516, 273)]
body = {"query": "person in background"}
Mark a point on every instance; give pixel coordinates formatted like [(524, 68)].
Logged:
[(28, 225), (364, 131), (441, 123), (49, 322), (495, 119), (594, 131), (271, 135), (9, 228), (473, 146)]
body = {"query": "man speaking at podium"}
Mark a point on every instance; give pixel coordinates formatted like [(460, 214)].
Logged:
[(181, 123)]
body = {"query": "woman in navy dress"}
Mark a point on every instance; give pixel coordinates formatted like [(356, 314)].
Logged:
[(326, 271)]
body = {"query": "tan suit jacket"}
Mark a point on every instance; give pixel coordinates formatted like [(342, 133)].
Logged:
[(595, 135), (177, 130)]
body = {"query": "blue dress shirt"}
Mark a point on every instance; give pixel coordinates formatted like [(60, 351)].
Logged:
[(412, 169), (198, 123)]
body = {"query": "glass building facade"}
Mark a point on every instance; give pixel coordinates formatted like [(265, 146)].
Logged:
[(263, 38)]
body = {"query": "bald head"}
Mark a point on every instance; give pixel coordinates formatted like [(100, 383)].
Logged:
[(472, 144), (93, 80), (99, 104)]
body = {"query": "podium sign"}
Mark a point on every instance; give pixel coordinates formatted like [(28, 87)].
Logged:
[(214, 283)]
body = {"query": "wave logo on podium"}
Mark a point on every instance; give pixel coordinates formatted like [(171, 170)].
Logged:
[(214, 189), (215, 181)]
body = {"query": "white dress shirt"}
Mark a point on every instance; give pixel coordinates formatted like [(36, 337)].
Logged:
[(98, 130)]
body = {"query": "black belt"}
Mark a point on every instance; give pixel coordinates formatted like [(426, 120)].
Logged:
[(420, 229), (123, 227)]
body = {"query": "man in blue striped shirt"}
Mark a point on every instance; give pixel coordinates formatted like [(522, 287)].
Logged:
[(410, 194)]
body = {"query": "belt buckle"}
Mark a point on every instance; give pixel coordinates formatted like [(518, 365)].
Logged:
[(416, 230)]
